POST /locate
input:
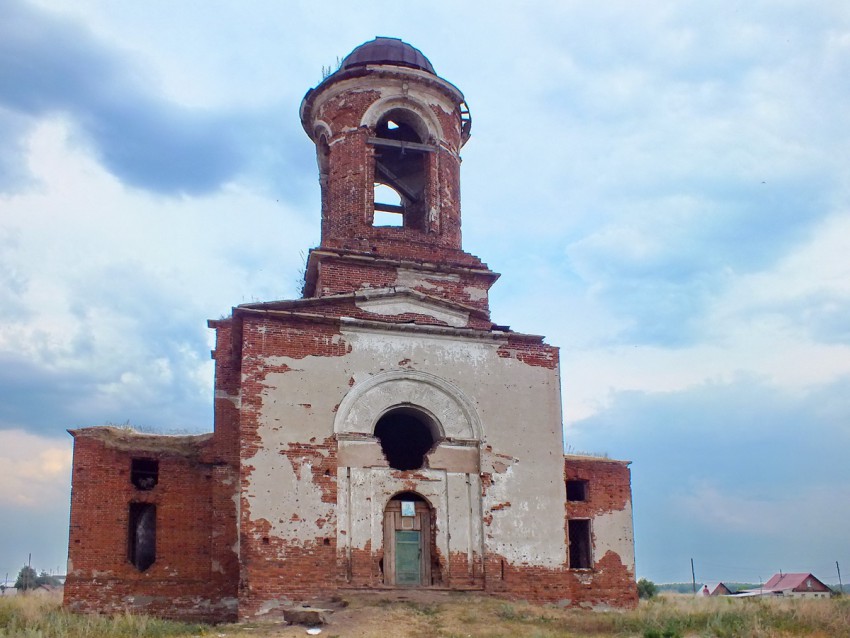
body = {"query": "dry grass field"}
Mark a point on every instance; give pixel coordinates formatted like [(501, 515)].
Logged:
[(431, 614)]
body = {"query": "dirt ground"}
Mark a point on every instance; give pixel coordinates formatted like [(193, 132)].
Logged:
[(441, 614), (414, 614)]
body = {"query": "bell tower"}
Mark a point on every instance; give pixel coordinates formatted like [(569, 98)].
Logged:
[(388, 133)]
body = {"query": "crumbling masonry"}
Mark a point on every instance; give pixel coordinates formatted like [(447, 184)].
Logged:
[(379, 432)]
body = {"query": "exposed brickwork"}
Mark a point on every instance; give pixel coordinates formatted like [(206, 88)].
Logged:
[(365, 568), (463, 573), (608, 485), (347, 192), (608, 584), (273, 568), (348, 308), (530, 352), (340, 275), (227, 391), (190, 564), (278, 571)]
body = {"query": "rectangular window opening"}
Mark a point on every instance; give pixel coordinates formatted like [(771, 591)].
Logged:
[(580, 554), (576, 490), (144, 473), (141, 537), (384, 218)]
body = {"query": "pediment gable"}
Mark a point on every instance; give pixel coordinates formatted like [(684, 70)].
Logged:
[(406, 303), (385, 302)]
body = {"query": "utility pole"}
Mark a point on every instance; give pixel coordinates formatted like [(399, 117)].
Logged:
[(840, 584), (693, 577)]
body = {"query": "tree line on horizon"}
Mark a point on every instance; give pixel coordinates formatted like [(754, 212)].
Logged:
[(28, 579)]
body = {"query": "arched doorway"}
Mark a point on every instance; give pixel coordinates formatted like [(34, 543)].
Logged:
[(409, 543)]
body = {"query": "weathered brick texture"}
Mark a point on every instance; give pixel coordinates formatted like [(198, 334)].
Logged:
[(195, 525)]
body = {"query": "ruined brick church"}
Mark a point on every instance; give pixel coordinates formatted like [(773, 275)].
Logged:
[(379, 432)]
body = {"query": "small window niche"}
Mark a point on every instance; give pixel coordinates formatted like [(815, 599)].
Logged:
[(580, 554), (144, 473), (576, 491), (141, 536)]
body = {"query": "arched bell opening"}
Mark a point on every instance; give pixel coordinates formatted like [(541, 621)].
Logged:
[(410, 547), (401, 165), (403, 125), (406, 436)]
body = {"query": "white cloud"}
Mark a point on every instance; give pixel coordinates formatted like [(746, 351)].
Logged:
[(787, 516), (110, 287), (36, 470)]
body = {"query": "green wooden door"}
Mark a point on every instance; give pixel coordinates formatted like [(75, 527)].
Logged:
[(407, 558)]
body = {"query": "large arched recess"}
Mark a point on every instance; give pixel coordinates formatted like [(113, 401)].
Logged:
[(368, 400)]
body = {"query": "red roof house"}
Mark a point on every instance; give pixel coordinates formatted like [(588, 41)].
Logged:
[(797, 586)]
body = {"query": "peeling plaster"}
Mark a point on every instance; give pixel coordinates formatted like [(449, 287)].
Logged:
[(408, 278), (503, 392), (612, 532), (474, 293), (280, 487), (392, 307), (515, 524), (235, 399)]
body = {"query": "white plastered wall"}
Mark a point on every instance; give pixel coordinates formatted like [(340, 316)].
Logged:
[(516, 405), (613, 532)]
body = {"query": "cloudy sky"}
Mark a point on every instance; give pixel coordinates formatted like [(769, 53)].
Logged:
[(663, 186)]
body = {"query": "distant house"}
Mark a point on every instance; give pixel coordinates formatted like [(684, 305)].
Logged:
[(790, 586), (721, 590), (797, 586)]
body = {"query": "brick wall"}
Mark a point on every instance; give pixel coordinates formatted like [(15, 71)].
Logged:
[(338, 275), (608, 485), (193, 575), (609, 585), (275, 570)]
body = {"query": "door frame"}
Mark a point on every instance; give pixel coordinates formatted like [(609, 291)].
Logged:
[(421, 522)]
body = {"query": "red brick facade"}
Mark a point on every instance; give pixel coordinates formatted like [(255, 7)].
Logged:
[(195, 573), (291, 496)]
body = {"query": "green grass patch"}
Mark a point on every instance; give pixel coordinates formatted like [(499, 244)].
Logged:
[(34, 616)]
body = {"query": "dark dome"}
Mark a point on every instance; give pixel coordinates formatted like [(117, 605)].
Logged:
[(387, 51)]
